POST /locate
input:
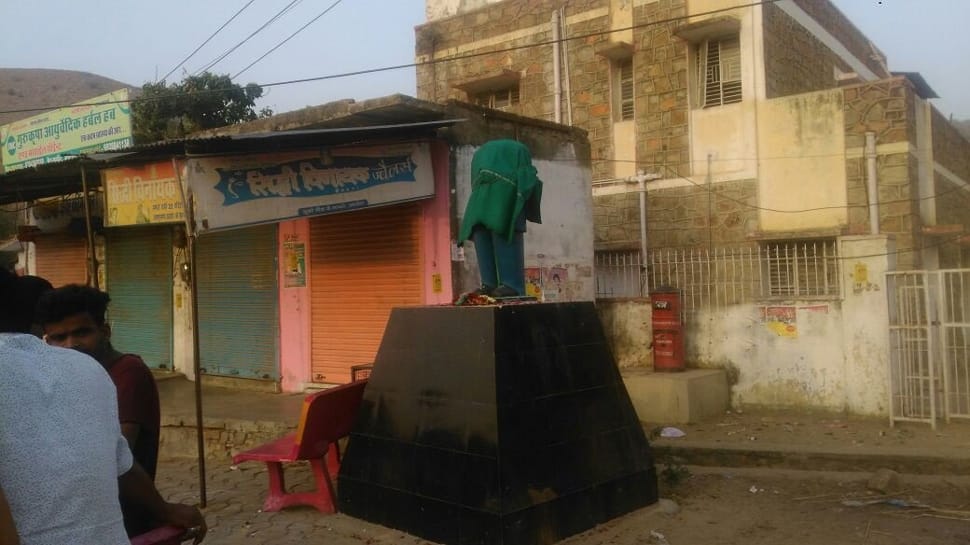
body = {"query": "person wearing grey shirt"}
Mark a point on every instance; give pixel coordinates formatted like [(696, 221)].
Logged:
[(63, 459)]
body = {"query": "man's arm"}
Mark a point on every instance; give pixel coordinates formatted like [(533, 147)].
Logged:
[(8, 531), (136, 486), (130, 431)]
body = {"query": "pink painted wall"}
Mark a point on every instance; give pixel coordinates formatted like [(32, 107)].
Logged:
[(436, 230), (294, 303)]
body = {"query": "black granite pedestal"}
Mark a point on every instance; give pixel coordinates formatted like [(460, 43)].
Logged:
[(495, 425)]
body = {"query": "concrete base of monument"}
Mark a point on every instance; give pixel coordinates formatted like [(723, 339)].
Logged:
[(502, 424), (678, 398)]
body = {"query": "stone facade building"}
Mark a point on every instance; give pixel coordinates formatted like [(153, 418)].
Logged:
[(689, 92), (742, 152)]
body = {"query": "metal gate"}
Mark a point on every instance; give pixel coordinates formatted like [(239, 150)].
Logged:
[(929, 334)]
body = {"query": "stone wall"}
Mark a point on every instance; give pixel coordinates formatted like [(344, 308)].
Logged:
[(682, 217), (659, 62), (951, 151), (795, 60), (660, 65), (521, 24), (950, 148), (838, 25), (886, 107)]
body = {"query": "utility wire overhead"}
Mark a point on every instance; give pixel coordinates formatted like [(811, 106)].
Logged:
[(277, 46), (207, 40), (225, 54)]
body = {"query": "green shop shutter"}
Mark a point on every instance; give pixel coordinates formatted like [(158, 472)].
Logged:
[(139, 278), (238, 320)]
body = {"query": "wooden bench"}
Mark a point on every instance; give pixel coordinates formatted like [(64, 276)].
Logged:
[(327, 416)]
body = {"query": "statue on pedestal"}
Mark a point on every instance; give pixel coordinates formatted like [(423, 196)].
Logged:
[(506, 192)]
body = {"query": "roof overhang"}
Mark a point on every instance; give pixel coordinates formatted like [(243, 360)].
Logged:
[(491, 81), (713, 27), (65, 177)]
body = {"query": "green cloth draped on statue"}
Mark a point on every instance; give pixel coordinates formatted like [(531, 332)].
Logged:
[(506, 192)]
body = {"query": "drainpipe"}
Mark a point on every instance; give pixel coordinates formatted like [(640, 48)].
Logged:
[(871, 182), (641, 179), (565, 67), (556, 60)]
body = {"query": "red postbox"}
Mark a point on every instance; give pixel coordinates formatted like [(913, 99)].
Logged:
[(668, 330)]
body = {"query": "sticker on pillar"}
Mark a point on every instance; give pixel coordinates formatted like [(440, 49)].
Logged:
[(533, 282), (555, 284), (294, 256), (436, 284), (781, 321)]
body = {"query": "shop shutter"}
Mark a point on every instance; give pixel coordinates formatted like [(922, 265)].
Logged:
[(363, 264), (62, 259), (139, 268), (238, 319)]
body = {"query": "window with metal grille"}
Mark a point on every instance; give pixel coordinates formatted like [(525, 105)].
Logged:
[(800, 268), (623, 89), (719, 72), (498, 99)]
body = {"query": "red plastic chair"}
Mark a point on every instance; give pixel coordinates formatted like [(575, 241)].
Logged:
[(165, 535), (327, 417)]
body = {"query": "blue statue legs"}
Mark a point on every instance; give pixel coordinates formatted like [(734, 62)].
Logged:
[(500, 262)]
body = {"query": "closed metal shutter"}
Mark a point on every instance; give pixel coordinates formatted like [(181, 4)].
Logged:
[(363, 264), (139, 268), (62, 259), (238, 320)]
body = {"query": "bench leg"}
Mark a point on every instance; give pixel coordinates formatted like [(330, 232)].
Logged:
[(276, 499), (324, 497), (333, 459)]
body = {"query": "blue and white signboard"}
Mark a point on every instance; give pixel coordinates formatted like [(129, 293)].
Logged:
[(246, 190)]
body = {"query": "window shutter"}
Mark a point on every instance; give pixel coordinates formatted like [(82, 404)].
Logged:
[(730, 50), (626, 90)]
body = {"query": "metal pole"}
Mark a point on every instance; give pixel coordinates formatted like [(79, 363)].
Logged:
[(710, 204), (190, 235), (872, 185), (93, 262)]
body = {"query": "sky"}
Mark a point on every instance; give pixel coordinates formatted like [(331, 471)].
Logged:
[(134, 45)]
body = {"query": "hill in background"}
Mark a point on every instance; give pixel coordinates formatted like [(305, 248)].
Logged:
[(22, 88)]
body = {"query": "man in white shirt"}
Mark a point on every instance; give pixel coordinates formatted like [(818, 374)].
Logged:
[(64, 459)]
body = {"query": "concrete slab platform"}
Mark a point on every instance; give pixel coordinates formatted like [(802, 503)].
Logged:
[(677, 398)]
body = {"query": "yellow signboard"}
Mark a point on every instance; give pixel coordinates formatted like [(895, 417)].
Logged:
[(97, 124), (140, 195)]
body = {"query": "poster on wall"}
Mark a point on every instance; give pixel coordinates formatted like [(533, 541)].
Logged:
[(294, 256), (144, 194), (250, 189), (781, 321)]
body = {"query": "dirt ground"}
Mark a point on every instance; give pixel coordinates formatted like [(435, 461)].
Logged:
[(716, 506), (824, 431), (773, 507)]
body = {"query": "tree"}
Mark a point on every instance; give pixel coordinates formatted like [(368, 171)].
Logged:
[(205, 101)]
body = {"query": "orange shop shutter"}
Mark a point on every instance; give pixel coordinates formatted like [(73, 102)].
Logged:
[(363, 264), (62, 259)]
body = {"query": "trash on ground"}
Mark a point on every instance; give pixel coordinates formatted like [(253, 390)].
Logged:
[(672, 432)]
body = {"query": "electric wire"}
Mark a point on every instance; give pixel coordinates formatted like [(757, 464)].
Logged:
[(288, 38), (225, 54), (207, 40)]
